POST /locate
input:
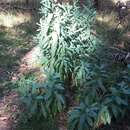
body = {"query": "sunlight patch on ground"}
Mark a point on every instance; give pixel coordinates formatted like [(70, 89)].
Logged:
[(10, 20), (111, 20), (33, 58), (124, 1)]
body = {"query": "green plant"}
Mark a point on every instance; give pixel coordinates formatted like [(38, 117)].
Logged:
[(45, 99), (65, 37), (23, 84), (54, 94), (83, 117), (109, 90)]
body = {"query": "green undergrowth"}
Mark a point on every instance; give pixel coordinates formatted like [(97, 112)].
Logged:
[(82, 77)]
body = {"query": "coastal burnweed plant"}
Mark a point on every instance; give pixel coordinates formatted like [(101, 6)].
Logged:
[(65, 38), (83, 117), (105, 94), (43, 100)]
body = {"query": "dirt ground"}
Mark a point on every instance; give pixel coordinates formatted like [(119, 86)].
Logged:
[(17, 29)]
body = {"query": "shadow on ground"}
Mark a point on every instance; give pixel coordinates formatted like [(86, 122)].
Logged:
[(16, 43), (16, 39), (111, 30)]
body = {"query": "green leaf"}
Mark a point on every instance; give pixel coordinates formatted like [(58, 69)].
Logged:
[(33, 108), (120, 101), (81, 122), (74, 114), (114, 110), (39, 97), (73, 124), (90, 121), (44, 111), (59, 105), (60, 98)]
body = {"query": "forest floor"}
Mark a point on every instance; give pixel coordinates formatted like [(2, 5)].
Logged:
[(16, 44), (18, 58), (16, 39)]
